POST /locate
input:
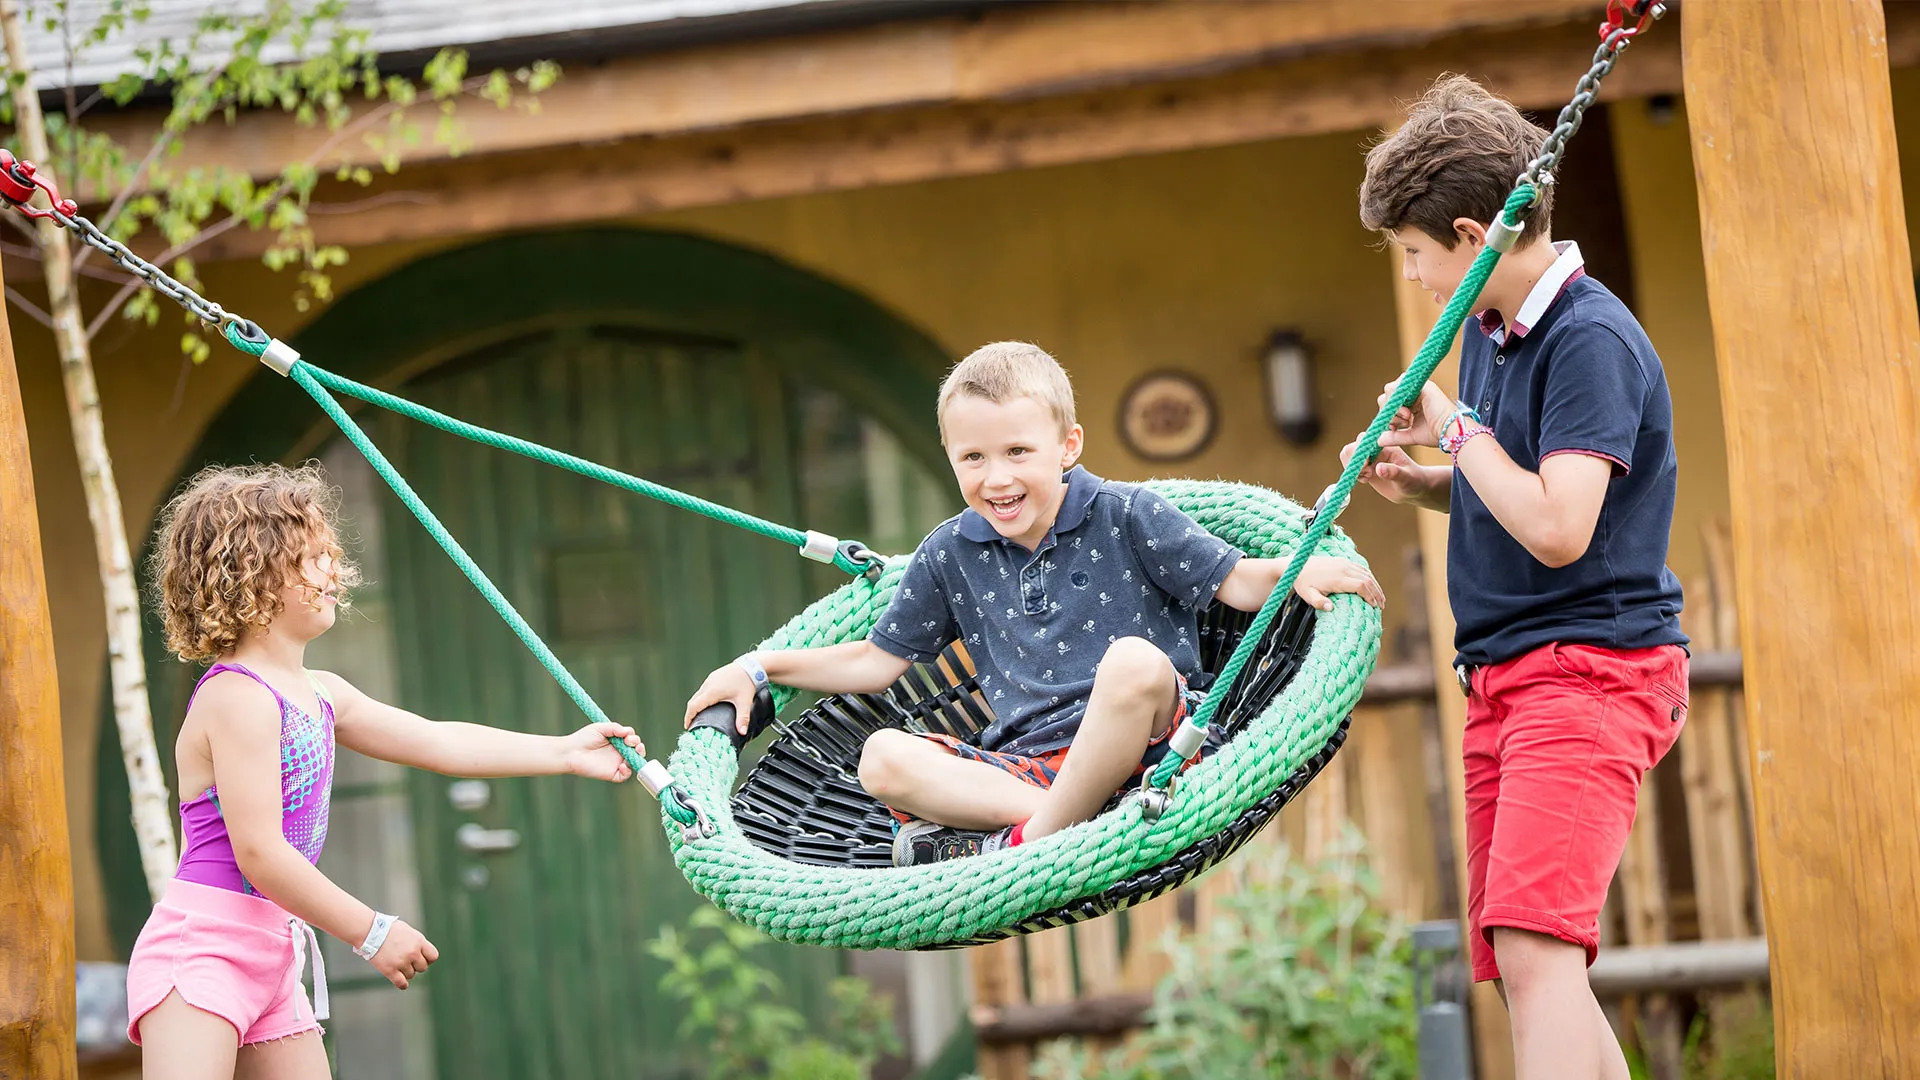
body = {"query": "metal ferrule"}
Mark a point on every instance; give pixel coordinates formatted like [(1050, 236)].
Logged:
[(1187, 740), (656, 777), (819, 547), (280, 356), (1501, 237)]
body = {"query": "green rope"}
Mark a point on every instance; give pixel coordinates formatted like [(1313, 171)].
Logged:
[(1439, 342), (255, 349), (303, 374), (545, 455)]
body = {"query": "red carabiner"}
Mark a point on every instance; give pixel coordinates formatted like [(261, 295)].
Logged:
[(19, 180), (1643, 12)]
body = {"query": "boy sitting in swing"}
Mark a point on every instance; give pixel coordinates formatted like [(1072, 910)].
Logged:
[(1076, 597)]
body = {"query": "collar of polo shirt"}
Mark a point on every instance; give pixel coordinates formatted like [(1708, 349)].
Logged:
[(1082, 486)]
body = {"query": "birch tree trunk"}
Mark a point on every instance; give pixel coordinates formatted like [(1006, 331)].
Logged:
[(152, 819)]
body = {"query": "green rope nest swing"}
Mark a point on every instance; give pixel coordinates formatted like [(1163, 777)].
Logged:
[(800, 850)]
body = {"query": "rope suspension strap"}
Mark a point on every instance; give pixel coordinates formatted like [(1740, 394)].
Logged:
[(20, 181), (250, 339), (1156, 787)]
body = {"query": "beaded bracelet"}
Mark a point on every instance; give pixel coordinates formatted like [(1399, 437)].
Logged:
[(1457, 420), (1460, 442)]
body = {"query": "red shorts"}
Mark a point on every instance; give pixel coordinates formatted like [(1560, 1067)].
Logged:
[(1040, 770), (1556, 744)]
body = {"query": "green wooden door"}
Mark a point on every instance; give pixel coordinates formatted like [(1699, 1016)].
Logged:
[(544, 971)]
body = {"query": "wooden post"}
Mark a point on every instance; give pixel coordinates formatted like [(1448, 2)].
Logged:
[(999, 978), (1649, 921), (1810, 285), (36, 873), (1492, 1040)]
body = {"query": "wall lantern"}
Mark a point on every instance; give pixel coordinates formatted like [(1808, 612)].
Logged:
[(1291, 399)]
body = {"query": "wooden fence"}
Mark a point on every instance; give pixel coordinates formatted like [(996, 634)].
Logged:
[(1688, 873)]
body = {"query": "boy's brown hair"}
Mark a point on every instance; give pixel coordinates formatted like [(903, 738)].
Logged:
[(1006, 370), (230, 542), (1457, 156)]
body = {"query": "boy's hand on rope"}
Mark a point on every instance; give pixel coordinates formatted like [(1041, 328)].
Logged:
[(588, 753), (1325, 575), (1418, 424), (406, 952), (1392, 473), (728, 683)]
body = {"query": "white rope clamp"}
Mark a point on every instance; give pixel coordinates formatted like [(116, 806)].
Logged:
[(655, 777), (820, 547), (280, 356), (1187, 740), (1501, 236)]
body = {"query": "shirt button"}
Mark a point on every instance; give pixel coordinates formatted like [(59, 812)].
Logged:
[(1487, 405), (1499, 359)]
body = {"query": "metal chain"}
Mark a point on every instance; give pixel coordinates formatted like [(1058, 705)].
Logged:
[(19, 180), (1614, 40), (155, 278)]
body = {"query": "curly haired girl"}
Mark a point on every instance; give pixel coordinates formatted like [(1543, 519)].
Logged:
[(250, 569)]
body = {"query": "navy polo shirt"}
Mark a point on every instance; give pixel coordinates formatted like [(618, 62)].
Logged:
[(1578, 375), (1120, 561)]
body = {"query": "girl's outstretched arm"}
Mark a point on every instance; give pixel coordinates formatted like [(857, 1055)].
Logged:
[(243, 734), (383, 731)]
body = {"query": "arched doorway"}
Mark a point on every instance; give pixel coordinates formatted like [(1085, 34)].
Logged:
[(707, 367)]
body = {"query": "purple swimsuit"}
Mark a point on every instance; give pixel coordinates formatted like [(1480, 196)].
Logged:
[(306, 789)]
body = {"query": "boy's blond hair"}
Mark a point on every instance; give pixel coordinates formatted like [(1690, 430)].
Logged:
[(1457, 156), (227, 545), (1006, 370)]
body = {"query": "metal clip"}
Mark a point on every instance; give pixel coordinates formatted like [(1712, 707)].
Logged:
[(18, 182), (702, 828), (1154, 801), (871, 564), (1619, 11)]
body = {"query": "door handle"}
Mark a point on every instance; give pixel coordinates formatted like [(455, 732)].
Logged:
[(484, 841)]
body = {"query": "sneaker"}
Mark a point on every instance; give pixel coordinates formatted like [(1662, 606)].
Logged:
[(922, 843)]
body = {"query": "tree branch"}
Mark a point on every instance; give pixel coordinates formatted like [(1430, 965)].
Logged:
[(19, 251), (280, 188), (161, 141), (35, 311)]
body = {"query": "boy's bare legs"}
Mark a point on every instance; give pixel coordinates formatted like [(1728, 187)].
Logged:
[(920, 778), (1132, 702), (1559, 1031)]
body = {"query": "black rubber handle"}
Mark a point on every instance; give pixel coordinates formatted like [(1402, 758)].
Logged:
[(721, 718)]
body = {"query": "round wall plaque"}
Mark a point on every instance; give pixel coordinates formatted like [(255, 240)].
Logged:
[(1166, 416)]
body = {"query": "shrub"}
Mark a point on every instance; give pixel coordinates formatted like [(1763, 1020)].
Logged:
[(1299, 974), (734, 1002)]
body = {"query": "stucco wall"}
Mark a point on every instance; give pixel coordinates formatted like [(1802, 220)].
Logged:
[(1185, 261)]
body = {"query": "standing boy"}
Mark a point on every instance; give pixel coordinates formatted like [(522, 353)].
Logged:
[(1560, 499), (1075, 596)]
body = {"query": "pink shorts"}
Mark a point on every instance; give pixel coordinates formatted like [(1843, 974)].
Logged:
[(236, 956), (1556, 744)]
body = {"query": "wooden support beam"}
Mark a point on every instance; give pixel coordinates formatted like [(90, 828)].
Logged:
[(1689, 965), (1015, 52), (1309, 94), (1810, 286), (999, 982), (36, 875)]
